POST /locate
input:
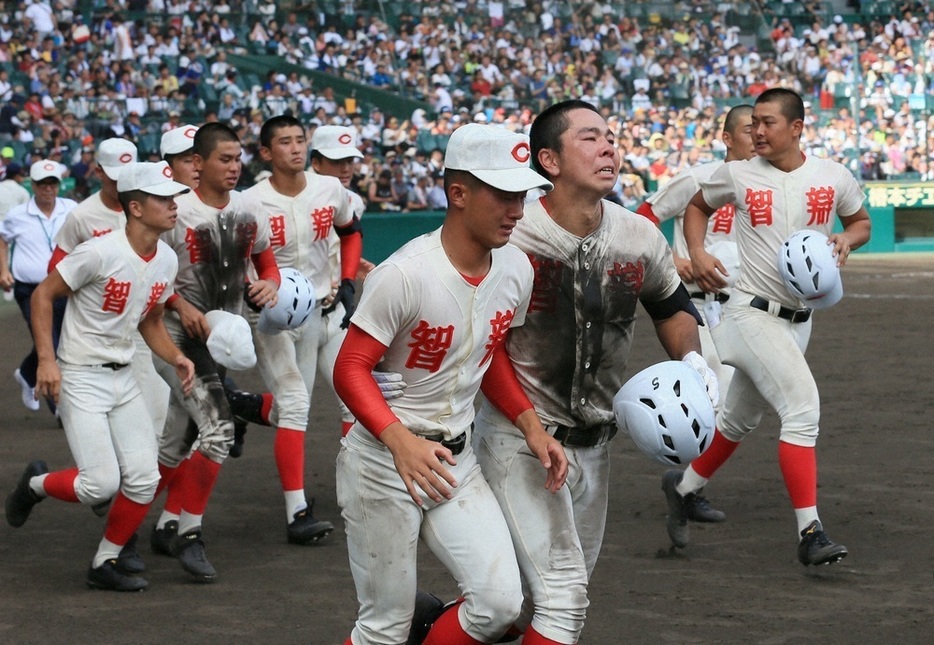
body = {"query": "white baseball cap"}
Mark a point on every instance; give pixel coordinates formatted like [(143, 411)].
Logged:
[(495, 156), (230, 341), (151, 178), (334, 142), (113, 154), (178, 140), (45, 168)]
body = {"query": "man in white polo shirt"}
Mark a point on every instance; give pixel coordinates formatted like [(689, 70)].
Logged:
[(32, 227)]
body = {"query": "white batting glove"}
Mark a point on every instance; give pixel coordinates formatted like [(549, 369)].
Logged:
[(390, 384), (697, 362)]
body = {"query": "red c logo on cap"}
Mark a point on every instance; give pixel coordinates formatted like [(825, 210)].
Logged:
[(521, 152), (344, 139), (126, 157), (167, 172), (49, 166), (190, 132)]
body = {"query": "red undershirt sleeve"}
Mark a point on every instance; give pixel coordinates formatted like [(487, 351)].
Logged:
[(354, 382), (501, 386), (645, 209), (266, 267), (57, 256), (351, 250)]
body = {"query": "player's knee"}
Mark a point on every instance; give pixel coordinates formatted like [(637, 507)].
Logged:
[(492, 614), (97, 486), (292, 407), (141, 487), (801, 426)]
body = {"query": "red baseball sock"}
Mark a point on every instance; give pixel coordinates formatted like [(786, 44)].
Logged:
[(799, 468), (447, 630), (289, 449), (61, 485), (173, 500), (715, 456), (532, 637), (345, 427), (124, 518), (196, 486)]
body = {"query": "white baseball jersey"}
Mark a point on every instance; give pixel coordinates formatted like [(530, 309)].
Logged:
[(772, 204), (583, 308), (439, 329), (114, 289), (214, 246), (299, 226), (90, 218), (673, 198)]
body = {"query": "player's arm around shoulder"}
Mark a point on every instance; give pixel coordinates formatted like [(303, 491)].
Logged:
[(48, 375), (152, 328)]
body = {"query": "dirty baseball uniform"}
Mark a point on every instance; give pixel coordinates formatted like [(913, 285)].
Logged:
[(570, 358)]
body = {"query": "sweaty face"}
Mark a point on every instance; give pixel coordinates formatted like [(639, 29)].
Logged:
[(288, 150), (589, 158), (184, 170), (221, 170), (492, 214), (159, 212), (340, 168), (773, 134)]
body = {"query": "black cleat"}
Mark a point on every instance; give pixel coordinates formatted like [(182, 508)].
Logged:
[(21, 499), (239, 435), (109, 578), (428, 608), (246, 407), (305, 529), (161, 539), (189, 550), (816, 548), (129, 561), (693, 507)]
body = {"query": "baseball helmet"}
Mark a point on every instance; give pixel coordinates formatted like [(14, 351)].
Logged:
[(728, 254), (296, 302), (809, 269), (666, 410)]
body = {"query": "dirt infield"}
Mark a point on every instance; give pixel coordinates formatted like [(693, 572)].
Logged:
[(737, 582)]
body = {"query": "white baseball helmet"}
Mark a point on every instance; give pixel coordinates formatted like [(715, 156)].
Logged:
[(809, 269), (666, 410), (728, 254), (296, 302)]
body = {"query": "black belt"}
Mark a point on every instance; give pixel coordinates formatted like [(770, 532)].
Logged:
[(584, 437), (793, 315), (719, 297), (114, 366), (456, 445)]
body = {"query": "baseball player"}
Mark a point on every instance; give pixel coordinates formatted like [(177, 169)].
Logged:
[(669, 202), (593, 262), (113, 285), (217, 232), (333, 152), (32, 228), (764, 331), (438, 311), (301, 209)]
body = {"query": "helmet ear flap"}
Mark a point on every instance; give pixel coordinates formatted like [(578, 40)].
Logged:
[(666, 411)]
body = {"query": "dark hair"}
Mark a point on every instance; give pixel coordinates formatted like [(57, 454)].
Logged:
[(548, 127), (458, 176), (792, 107), (209, 135), (128, 196), (274, 124), (734, 115)]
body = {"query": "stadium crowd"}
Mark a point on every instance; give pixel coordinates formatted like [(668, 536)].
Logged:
[(73, 72)]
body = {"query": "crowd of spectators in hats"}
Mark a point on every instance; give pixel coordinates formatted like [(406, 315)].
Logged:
[(664, 82)]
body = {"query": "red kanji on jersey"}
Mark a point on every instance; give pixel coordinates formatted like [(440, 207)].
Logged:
[(723, 219), (198, 243), (277, 230), (546, 284), (430, 346), (499, 325), (322, 219), (820, 204), (626, 277), (759, 205), (246, 237), (115, 296), (98, 233), (154, 294)]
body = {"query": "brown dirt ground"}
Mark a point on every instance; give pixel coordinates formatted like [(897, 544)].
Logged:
[(737, 582)]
